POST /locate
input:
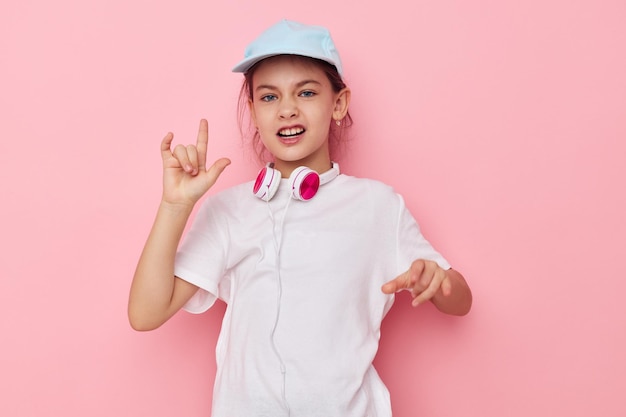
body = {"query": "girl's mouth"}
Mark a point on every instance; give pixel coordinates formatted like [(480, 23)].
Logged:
[(290, 132)]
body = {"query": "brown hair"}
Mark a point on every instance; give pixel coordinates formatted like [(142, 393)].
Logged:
[(337, 134)]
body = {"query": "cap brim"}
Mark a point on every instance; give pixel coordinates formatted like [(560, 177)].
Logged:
[(248, 63)]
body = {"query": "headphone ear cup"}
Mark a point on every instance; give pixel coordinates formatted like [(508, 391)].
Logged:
[(304, 183), (266, 184)]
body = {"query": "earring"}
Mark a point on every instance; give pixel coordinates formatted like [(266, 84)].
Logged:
[(338, 122)]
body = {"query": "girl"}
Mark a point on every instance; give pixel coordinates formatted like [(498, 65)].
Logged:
[(304, 261)]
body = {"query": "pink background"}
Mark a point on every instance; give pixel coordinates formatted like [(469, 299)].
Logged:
[(502, 123)]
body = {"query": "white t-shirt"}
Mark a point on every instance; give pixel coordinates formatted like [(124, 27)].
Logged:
[(301, 329)]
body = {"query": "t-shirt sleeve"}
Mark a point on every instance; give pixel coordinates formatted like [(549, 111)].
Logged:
[(201, 258), (412, 245)]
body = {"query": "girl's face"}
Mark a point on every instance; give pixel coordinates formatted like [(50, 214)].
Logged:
[(292, 107)]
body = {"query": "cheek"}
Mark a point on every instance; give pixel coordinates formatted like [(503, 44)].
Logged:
[(266, 134), (329, 109), (319, 114), (261, 119)]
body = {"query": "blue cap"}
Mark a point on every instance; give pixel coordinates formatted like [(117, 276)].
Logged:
[(291, 38)]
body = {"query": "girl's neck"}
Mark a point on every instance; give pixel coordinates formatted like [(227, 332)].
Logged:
[(287, 167)]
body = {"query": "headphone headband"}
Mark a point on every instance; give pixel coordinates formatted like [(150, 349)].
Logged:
[(331, 174)]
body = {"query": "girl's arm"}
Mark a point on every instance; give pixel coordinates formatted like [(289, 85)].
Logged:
[(156, 294), (446, 289)]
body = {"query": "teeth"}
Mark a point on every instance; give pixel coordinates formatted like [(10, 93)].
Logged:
[(291, 132)]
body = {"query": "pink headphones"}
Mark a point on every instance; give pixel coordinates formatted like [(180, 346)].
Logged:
[(303, 181)]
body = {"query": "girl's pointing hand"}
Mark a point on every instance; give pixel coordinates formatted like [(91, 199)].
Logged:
[(423, 279)]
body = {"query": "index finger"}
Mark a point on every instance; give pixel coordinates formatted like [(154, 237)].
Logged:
[(402, 282), (202, 143)]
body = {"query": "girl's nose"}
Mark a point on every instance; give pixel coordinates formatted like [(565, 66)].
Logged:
[(288, 109)]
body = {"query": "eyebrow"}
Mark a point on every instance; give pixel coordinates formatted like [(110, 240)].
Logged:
[(298, 85)]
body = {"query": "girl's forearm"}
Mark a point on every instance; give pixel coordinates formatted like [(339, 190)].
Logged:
[(152, 290)]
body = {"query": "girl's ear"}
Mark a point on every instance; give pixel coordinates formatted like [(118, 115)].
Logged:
[(341, 104)]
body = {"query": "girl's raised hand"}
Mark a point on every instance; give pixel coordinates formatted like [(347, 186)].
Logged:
[(185, 175)]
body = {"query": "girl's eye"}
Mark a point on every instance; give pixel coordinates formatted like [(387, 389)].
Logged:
[(268, 97), (307, 94)]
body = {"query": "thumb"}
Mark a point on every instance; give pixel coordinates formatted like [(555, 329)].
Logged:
[(216, 170)]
